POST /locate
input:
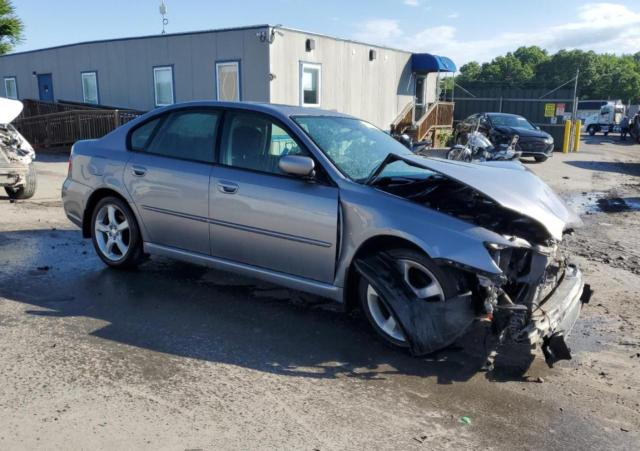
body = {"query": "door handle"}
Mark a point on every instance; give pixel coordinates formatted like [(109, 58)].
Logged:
[(227, 187), (138, 171)]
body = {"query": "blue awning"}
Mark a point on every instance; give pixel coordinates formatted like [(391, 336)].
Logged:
[(426, 62)]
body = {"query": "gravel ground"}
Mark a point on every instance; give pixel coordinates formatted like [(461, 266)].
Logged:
[(173, 356)]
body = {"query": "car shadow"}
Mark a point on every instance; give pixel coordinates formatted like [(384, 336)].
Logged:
[(628, 168), (190, 311)]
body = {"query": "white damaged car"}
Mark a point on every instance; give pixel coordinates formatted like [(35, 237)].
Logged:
[(17, 172)]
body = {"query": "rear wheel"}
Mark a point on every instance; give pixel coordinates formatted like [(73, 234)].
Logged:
[(428, 281), (591, 130), (115, 233), (27, 190)]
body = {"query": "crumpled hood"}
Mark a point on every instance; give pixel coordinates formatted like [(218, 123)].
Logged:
[(9, 110), (510, 185)]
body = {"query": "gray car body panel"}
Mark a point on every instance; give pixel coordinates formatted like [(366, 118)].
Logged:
[(272, 244)]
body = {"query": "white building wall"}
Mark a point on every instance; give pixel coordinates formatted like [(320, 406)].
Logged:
[(373, 90)]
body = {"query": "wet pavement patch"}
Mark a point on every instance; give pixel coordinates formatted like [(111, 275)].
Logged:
[(587, 203), (617, 204)]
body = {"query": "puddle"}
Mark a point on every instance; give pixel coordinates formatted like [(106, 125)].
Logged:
[(601, 202)]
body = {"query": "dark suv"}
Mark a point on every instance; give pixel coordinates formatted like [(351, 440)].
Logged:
[(501, 127)]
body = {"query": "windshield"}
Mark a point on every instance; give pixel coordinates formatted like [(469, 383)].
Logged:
[(511, 121), (356, 147)]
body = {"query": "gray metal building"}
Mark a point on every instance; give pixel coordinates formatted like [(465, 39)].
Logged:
[(259, 63)]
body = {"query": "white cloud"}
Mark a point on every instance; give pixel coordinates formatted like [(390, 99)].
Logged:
[(412, 2), (602, 27), (453, 15), (379, 31)]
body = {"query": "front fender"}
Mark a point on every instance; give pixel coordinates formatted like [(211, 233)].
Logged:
[(366, 216)]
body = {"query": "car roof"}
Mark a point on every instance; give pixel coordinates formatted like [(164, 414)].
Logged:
[(270, 108), (503, 114)]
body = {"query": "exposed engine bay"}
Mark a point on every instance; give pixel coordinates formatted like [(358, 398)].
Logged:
[(519, 300), (17, 174)]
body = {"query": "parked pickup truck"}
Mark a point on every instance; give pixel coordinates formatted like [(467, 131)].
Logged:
[(17, 173)]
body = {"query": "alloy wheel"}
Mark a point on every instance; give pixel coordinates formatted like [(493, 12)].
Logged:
[(112, 232), (421, 281)]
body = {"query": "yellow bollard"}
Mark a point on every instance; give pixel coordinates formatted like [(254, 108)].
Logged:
[(576, 135), (567, 136)]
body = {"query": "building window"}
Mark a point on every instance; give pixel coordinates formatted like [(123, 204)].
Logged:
[(90, 87), (163, 85), (228, 81), (310, 84), (11, 88)]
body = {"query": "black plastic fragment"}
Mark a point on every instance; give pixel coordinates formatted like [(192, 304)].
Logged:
[(554, 349), (427, 326), (587, 292)]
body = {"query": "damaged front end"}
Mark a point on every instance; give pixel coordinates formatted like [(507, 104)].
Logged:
[(16, 154), (538, 298), (536, 293)]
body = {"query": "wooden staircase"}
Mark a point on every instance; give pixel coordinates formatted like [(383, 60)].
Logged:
[(439, 116)]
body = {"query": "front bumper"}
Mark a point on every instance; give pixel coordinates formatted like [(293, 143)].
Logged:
[(553, 320), (12, 176), (536, 149)]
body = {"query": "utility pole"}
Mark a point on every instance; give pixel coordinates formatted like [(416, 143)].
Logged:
[(574, 112)]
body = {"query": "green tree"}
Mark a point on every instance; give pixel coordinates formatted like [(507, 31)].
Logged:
[(469, 72), (531, 56), (11, 27)]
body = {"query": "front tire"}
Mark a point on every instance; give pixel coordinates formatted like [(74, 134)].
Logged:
[(541, 159), (27, 190), (591, 130), (115, 234), (427, 280)]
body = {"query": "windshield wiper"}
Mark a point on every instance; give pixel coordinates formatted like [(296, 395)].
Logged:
[(390, 158)]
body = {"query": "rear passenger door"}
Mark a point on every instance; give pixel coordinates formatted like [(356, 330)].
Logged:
[(168, 177), (263, 217)]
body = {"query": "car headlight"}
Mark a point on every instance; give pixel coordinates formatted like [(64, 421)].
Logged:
[(548, 140)]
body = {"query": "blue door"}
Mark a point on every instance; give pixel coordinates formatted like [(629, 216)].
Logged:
[(45, 87)]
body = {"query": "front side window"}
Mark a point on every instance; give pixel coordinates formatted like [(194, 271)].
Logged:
[(11, 88), (228, 81), (90, 87), (356, 147), (163, 85), (189, 135), (310, 84), (251, 141)]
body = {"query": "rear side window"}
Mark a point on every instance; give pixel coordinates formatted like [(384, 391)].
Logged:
[(140, 136), (187, 135)]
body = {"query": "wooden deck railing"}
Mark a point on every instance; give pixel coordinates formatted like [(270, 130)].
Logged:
[(67, 127), (39, 108), (439, 115), (403, 121)]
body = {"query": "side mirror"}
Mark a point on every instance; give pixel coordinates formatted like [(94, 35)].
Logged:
[(538, 127), (297, 165)]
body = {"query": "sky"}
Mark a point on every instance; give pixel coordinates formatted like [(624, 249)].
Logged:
[(463, 30)]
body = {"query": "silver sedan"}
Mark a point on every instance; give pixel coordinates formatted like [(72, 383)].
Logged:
[(328, 204)]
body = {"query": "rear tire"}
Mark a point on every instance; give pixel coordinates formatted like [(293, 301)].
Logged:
[(422, 272), (591, 130), (115, 234), (27, 190)]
